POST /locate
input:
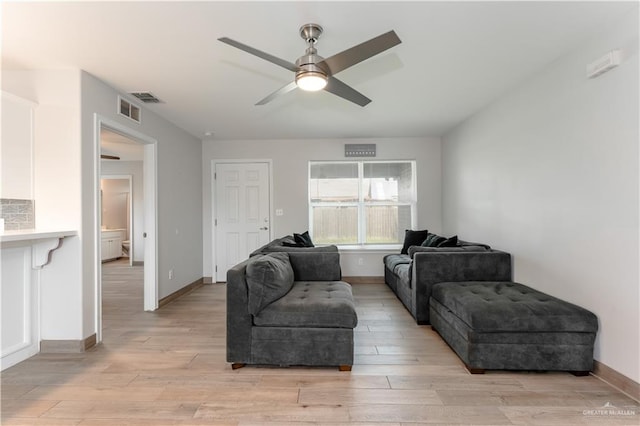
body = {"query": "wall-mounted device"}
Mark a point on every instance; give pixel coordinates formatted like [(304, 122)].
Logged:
[(360, 150), (604, 64)]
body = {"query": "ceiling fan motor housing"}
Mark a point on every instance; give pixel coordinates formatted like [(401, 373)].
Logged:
[(310, 32), (307, 63), (314, 76)]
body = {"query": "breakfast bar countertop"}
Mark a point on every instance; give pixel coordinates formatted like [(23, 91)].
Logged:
[(34, 234)]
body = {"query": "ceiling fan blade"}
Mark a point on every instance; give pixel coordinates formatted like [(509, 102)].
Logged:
[(285, 89), (338, 88), (259, 53), (356, 54)]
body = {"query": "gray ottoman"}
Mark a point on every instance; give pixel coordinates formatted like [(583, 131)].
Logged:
[(509, 326)]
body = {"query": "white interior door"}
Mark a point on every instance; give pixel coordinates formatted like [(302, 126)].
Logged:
[(242, 212)]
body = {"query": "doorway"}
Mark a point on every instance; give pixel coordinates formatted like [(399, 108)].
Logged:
[(242, 200), (146, 147), (117, 208)]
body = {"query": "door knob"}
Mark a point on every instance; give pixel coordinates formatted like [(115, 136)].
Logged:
[(264, 228)]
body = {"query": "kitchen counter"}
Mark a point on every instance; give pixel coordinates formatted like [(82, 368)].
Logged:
[(34, 234)]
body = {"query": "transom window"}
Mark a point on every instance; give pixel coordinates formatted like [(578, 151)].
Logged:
[(361, 202)]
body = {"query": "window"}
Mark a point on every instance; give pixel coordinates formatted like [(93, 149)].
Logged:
[(361, 202)]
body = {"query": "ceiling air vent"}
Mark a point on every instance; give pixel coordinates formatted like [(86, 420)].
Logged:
[(147, 97), (128, 109)]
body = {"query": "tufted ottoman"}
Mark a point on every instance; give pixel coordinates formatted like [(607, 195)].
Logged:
[(509, 326)]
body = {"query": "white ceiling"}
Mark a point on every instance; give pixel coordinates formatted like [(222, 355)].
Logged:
[(455, 58)]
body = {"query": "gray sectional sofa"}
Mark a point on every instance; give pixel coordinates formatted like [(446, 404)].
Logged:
[(290, 309), (412, 276)]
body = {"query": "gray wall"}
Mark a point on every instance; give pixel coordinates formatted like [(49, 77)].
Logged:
[(179, 186), (550, 173), (290, 172)]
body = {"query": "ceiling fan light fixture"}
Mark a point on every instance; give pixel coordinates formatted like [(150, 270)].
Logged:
[(311, 81), (313, 71)]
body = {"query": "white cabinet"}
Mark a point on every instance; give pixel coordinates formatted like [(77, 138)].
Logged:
[(112, 244), (16, 156), (23, 255)]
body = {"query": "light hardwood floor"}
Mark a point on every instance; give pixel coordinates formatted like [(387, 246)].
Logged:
[(168, 368)]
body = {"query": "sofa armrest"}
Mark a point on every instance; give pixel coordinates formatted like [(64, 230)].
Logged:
[(430, 268), (239, 321), (316, 266)]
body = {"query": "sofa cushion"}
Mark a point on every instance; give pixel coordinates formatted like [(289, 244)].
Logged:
[(312, 304), (403, 272), (393, 260), (496, 306), (449, 242), (310, 265), (303, 239), (433, 240), (269, 277), (413, 238)]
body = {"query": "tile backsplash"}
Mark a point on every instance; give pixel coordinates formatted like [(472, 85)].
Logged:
[(17, 214)]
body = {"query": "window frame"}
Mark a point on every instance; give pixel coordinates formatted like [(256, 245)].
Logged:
[(361, 205)]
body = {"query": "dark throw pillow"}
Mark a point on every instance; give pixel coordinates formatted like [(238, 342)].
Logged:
[(304, 239), (449, 242), (287, 239), (269, 277), (432, 240), (412, 238)]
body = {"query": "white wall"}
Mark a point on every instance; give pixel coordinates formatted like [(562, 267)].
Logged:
[(549, 173), (133, 168), (57, 190), (290, 174)]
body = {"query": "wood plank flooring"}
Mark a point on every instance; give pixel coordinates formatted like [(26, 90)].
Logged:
[(168, 368)]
